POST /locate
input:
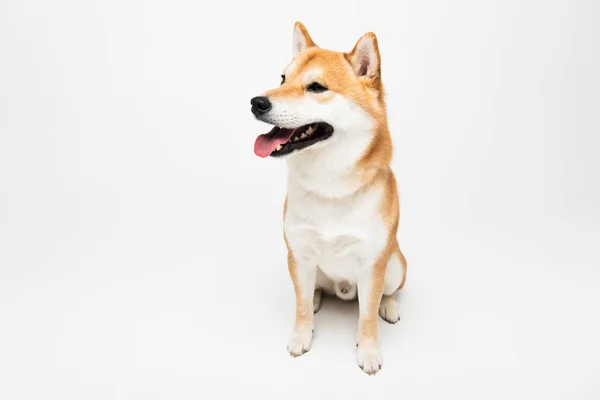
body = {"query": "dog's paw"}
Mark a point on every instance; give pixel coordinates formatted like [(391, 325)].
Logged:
[(369, 357), (317, 300), (388, 310), (300, 342)]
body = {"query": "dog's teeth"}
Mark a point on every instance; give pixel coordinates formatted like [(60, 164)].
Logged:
[(296, 139), (310, 130), (303, 136), (279, 147)]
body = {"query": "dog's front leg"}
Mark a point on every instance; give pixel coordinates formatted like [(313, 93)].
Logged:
[(370, 288), (304, 277)]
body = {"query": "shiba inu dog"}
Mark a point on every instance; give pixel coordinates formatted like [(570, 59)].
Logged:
[(341, 213)]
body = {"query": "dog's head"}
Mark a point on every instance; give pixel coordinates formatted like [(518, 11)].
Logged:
[(325, 99)]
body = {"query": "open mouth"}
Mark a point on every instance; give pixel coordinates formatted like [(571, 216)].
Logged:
[(282, 141)]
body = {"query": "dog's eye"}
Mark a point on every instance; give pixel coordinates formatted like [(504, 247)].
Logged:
[(316, 88), (282, 79)]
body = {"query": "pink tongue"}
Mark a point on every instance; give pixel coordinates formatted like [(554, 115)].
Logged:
[(267, 143)]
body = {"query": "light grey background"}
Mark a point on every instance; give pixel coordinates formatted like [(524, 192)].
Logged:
[(141, 252)]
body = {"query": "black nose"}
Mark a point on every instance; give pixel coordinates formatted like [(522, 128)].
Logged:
[(260, 105)]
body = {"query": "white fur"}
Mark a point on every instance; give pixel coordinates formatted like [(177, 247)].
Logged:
[(291, 68), (344, 237), (298, 42), (369, 358), (394, 275), (325, 167), (364, 60), (345, 290), (388, 309), (328, 224), (301, 338), (311, 75), (300, 342)]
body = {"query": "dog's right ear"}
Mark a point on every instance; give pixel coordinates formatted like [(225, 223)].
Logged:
[(301, 39), (365, 59)]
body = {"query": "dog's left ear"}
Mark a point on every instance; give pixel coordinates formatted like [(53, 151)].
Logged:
[(301, 40), (365, 59)]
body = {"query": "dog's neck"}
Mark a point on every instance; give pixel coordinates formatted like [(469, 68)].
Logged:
[(344, 167)]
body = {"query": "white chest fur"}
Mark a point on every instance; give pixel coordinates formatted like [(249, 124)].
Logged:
[(343, 236)]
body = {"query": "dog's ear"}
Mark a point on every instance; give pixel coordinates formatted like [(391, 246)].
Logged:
[(301, 39), (365, 59)]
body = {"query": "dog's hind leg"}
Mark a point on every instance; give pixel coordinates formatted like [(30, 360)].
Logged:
[(318, 297), (324, 285), (395, 277)]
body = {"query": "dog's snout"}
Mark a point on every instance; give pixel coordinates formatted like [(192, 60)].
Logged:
[(260, 105)]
